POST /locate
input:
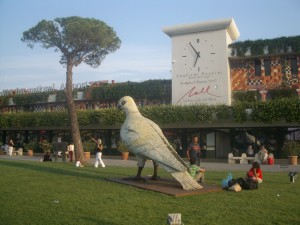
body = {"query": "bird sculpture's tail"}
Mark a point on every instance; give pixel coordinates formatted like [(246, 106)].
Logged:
[(187, 182)]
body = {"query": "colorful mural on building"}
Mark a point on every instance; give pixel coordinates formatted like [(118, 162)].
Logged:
[(265, 73)]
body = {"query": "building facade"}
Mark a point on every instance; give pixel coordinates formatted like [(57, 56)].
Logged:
[(259, 74)]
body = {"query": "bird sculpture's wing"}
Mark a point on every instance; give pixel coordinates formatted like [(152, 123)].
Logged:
[(144, 138)]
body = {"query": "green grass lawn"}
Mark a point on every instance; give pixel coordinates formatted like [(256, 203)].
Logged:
[(37, 193)]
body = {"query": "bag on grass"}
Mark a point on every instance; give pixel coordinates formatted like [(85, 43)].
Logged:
[(236, 187), (225, 181)]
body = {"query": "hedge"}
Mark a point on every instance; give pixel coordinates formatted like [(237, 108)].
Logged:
[(287, 110)]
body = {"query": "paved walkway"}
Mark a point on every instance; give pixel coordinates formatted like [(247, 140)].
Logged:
[(217, 166)]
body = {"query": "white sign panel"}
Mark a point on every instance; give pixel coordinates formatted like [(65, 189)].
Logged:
[(200, 73), (200, 68)]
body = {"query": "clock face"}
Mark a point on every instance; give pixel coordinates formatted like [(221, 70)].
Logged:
[(198, 55)]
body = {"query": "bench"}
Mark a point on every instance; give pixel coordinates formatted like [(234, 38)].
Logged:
[(18, 152), (243, 159)]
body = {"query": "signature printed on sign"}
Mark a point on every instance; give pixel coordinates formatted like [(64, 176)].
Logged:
[(193, 92)]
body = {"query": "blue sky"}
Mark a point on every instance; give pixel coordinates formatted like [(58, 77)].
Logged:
[(145, 51)]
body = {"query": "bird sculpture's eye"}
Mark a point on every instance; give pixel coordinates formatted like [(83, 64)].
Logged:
[(123, 102)]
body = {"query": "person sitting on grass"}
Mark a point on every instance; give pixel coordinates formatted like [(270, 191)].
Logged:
[(255, 173), (47, 157), (78, 163), (196, 172), (263, 155)]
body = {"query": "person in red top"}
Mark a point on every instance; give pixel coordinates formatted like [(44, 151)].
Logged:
[(255, 173)]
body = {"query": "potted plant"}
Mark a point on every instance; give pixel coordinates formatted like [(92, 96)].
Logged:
[(123, 149), (46, 146), (30, 147), (88, 147), (292, 149)]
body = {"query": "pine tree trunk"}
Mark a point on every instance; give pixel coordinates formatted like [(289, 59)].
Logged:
[(75, 132)]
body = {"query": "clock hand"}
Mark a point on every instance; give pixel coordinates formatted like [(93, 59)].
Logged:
[(193, 48), (198, 56), (196, 60), (197, 53)]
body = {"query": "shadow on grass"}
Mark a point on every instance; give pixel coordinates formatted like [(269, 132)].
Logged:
[(46, 167)]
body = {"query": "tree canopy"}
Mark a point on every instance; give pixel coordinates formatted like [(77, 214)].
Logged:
[(78, 39)]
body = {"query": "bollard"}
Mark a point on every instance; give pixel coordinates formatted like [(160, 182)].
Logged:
[(174, 219), (293, 176)]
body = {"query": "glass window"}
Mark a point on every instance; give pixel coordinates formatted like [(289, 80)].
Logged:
[(257, 67), (294, 67), (267, 67)]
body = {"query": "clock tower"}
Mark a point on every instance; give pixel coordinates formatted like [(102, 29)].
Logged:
[(200, 67)]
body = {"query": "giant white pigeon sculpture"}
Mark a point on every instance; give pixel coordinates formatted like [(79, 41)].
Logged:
[(145, 139)]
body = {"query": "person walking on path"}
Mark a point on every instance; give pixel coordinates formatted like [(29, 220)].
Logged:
[(71, 151), (250, 152), (99, 150), (10, 145), (194, 151)]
